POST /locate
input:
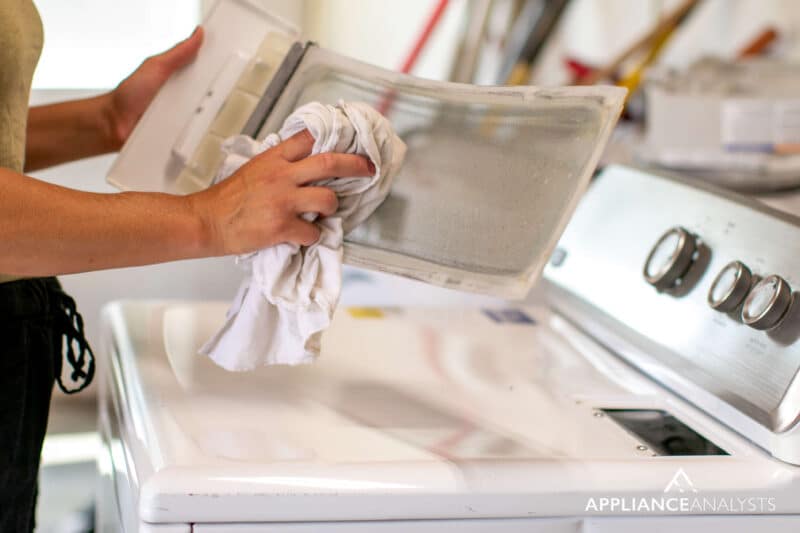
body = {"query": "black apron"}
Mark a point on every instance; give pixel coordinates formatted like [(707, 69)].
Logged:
[(38, 322)]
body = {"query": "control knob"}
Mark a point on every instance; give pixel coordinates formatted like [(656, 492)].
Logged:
[(730, 287), (670, 258), (767, 303)]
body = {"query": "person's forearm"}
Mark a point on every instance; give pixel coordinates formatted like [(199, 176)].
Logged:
[(49, 230), (67, 131)]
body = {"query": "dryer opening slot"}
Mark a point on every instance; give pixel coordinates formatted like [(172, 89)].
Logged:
[(663, 433)]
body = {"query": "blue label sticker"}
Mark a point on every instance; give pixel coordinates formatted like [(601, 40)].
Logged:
[(509, 316)]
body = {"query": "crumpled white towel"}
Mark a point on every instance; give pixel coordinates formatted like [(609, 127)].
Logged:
[(290, 292)]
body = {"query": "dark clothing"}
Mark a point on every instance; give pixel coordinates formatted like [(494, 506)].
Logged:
[(35, 314)]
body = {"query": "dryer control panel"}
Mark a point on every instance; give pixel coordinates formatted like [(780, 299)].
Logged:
[(693, 285), (760, 302)]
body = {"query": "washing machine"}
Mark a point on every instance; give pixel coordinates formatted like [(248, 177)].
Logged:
[(650, 383)]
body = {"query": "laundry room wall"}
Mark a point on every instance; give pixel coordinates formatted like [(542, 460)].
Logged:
[(382, 33)]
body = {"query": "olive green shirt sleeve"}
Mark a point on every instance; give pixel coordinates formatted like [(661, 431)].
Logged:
[(21, 39)]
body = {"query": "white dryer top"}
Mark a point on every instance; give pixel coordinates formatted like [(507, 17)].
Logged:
[(409, 413)]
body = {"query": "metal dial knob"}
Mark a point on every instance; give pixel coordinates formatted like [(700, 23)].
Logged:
[(730, 287), (670, 258), (767, 303)]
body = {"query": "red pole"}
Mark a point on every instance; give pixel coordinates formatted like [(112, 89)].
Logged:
[(423, 37), (413, 55)]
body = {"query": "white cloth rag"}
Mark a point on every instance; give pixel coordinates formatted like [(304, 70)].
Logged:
[(289, 293)]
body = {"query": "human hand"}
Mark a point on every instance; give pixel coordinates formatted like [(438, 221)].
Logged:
[(126, 104), (261, 204)]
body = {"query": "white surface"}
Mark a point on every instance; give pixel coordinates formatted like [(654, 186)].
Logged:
[(96, 43), (425, 413)]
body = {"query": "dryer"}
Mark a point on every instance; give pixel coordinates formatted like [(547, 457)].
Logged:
[(652, 384)]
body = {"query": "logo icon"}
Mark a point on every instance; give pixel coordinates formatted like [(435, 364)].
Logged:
[(680, 482)]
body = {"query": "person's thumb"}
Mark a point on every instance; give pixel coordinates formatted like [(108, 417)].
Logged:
[(182, 53)]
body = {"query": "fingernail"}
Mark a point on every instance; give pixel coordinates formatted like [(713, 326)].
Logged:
[(371, 167)]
